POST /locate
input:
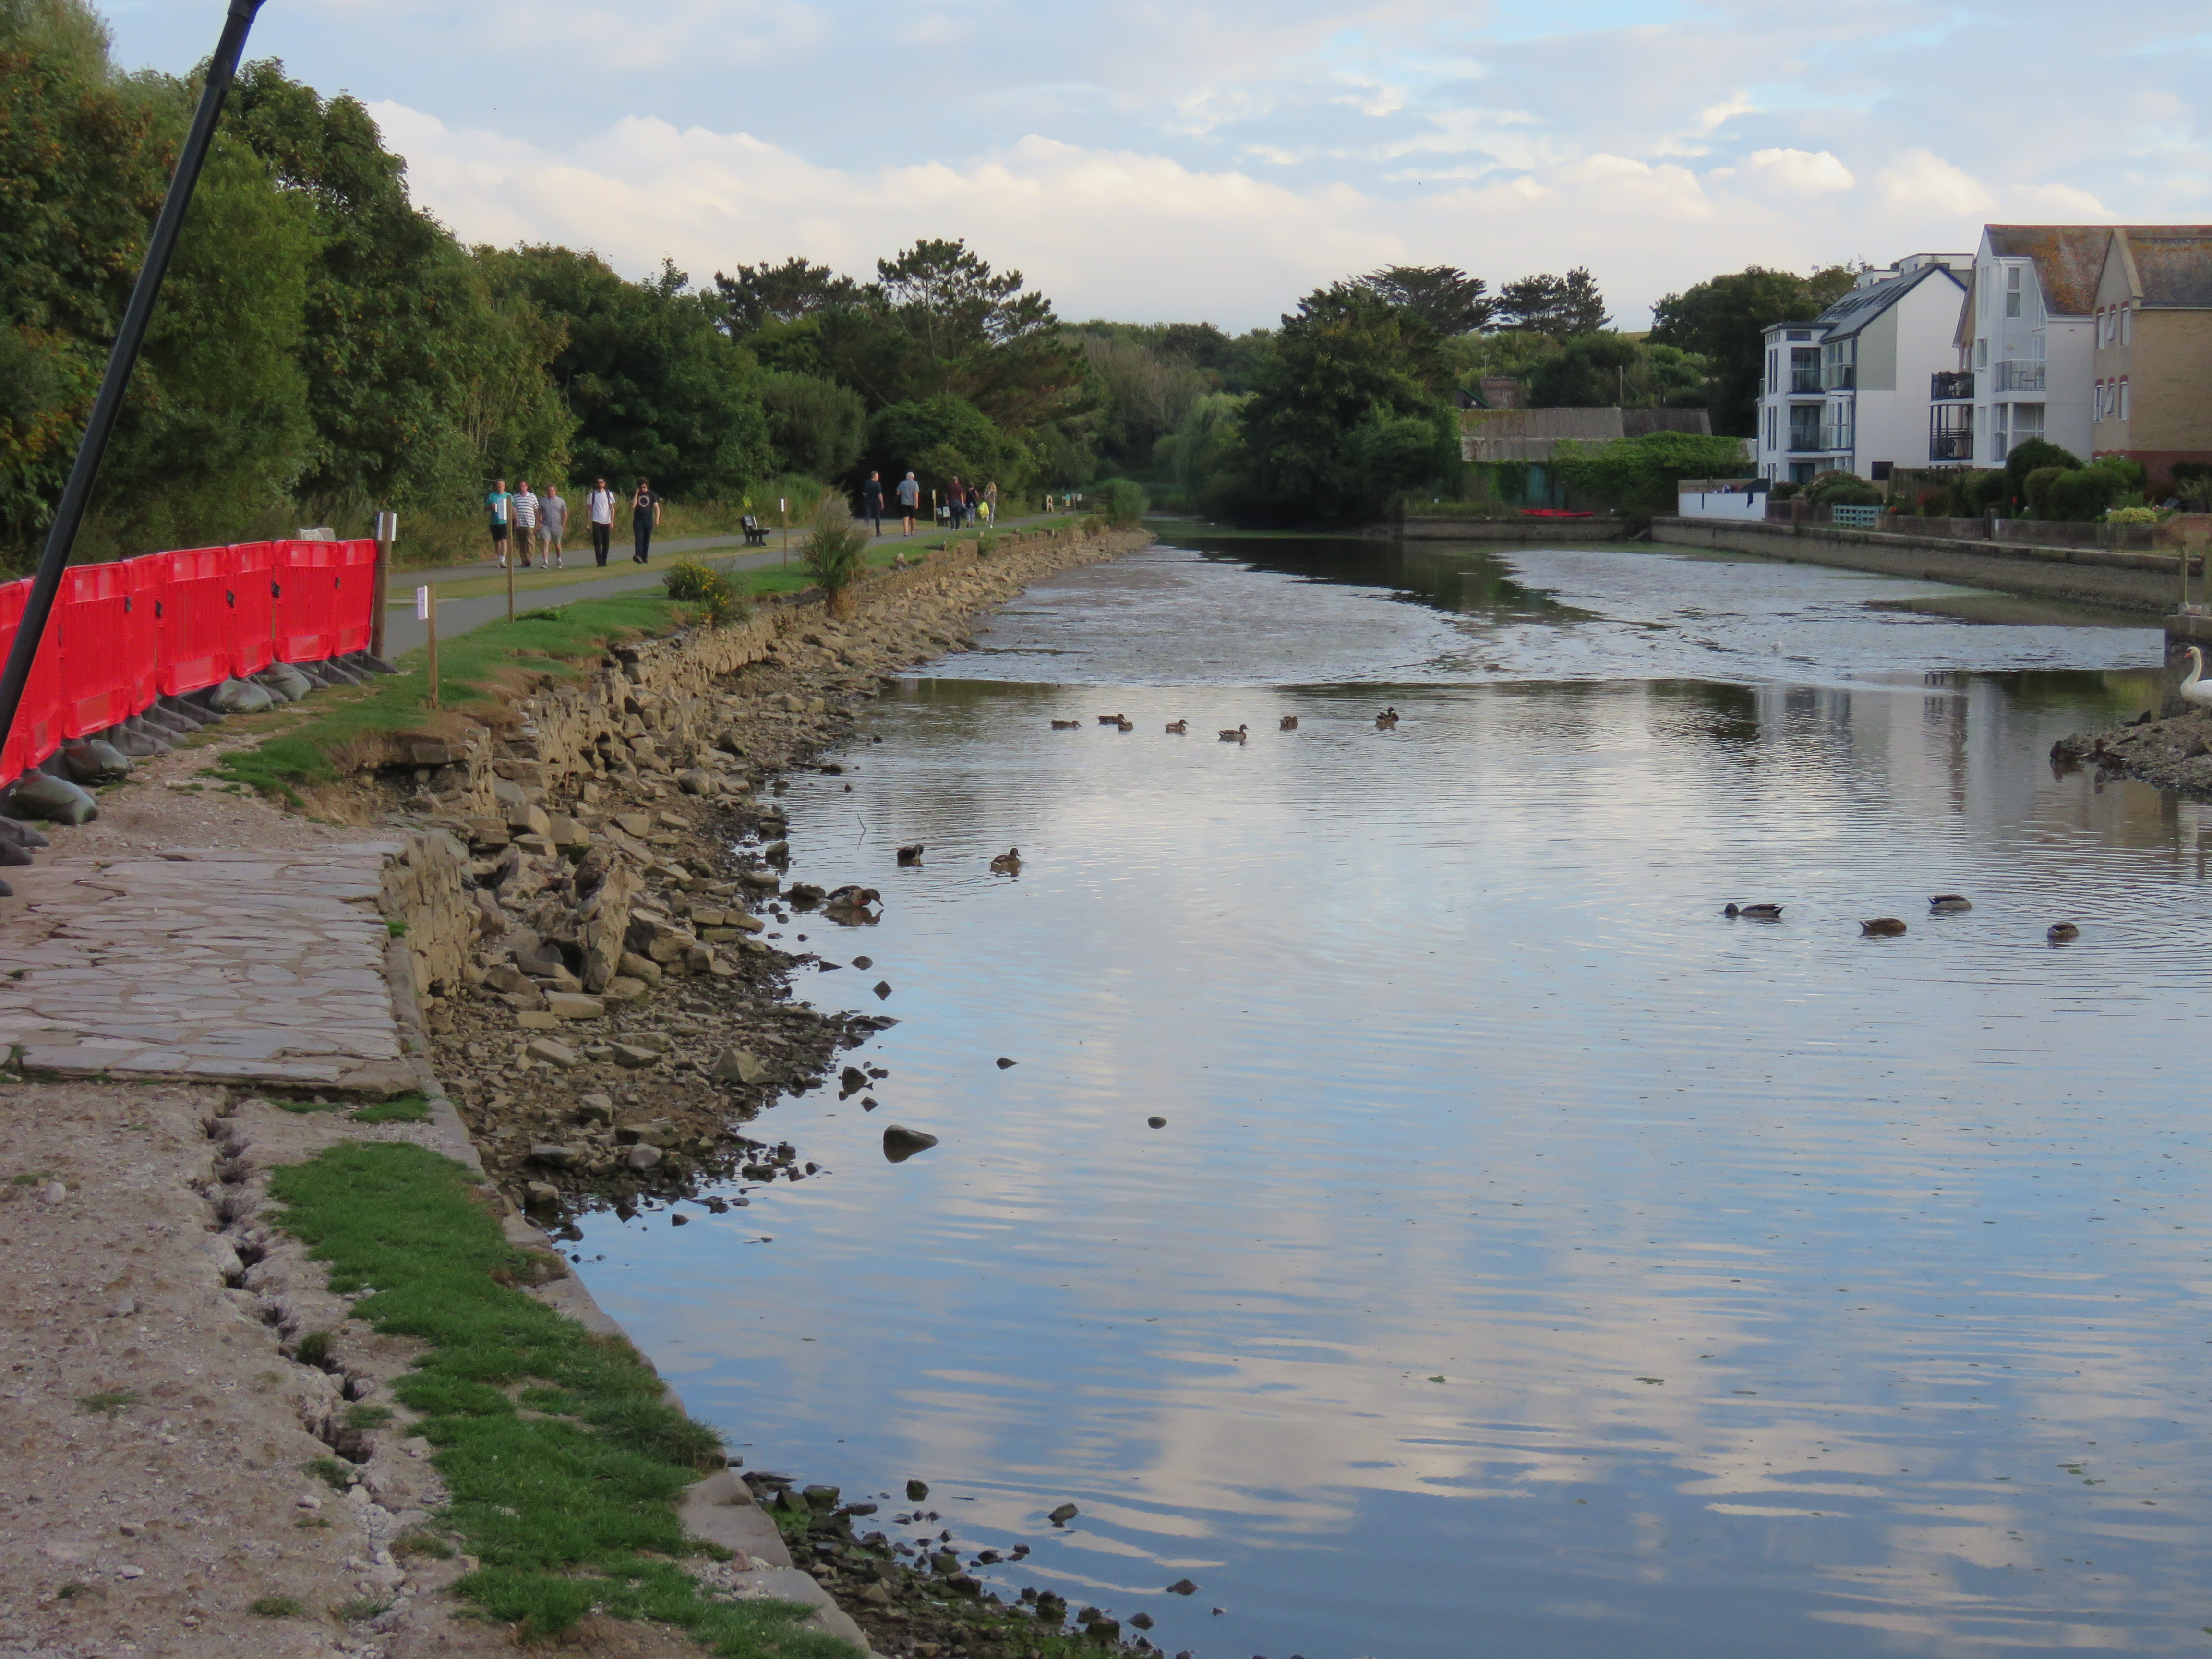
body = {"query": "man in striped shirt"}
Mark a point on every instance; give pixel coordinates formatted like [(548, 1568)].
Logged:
[(525, 506)]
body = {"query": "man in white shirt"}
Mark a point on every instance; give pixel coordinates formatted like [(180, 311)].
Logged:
[(525, 506), (599, 507), (909, 500)]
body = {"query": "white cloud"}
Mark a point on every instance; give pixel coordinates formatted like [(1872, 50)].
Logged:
[(1798, 171), (1919, 178)]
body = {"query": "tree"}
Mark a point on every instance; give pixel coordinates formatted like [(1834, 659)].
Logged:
[(1351, 412), (657, 390), (978, 334), (789, 293), (815, 426), (1199, 344), (1561, 306), (941, 438), (1445, 297), (1725, 320), (1588, 371), (1141, 390), (396, 319)]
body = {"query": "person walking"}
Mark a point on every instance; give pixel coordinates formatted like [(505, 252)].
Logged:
[(525, 506), (552, 526), (599, 508), (871, 501), (644, 514), (910, 500), (497, 503), (991, 503), (956, 504)]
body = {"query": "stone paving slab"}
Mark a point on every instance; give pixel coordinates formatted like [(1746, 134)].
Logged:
[(205, 963)]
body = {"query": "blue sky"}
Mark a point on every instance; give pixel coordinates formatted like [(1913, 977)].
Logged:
[(1149, 161)]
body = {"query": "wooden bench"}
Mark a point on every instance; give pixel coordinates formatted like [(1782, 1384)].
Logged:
[(755, 532)]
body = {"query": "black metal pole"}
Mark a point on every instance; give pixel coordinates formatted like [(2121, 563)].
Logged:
[(69, 515)]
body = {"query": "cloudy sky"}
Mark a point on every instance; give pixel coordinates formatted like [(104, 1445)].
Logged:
[(1214, 159)]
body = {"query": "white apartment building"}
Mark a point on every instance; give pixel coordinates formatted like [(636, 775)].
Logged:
[(1849, 391), (2026, 341)]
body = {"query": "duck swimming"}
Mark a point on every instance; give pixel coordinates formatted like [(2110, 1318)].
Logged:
[(1068, 725), (2061, 933), (1387, 719), (1008, 863), (1290, 723), (1238, 736), (1127, 726), (1950, 903), (910, 856), (1176, 728), (1111, 720), (1881, 927), (1755, 912)]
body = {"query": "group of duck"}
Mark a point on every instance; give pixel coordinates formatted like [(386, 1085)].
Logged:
[(1385, 722), (1943, 904)]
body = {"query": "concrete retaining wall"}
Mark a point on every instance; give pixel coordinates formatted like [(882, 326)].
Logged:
[(2148, 583)]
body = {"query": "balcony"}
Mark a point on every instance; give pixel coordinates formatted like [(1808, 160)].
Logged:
[(1806, 379), (1806, 441), (2020, 374), (1951, 446), (1835, 440), (1839, 377), (1951, 386)]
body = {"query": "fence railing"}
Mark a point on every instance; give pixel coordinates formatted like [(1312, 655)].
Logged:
[(2020, 374), (1951, 386), (122, 634)]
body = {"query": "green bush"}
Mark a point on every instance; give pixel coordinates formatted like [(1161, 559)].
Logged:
[(1125, 502), (1844, 489), (2035, 489), (1784, 490), (2029, 455), (2133, 515), (832, 553), (709, 591)]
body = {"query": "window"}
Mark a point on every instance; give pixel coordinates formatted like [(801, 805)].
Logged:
[(1769, 426), (2026, 421), (2124, 400), (2012, 290), (1981, 354), (2127, 324), (2097, 403)]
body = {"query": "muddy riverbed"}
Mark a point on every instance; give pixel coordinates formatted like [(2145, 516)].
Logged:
[(1532, 1261)]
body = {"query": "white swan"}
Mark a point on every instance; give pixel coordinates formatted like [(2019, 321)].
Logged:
[(2194, 687)]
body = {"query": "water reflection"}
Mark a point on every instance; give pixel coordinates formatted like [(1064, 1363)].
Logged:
[(1532, 1261)]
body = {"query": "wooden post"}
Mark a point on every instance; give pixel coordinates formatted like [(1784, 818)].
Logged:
[(426, 610), (387, 531)]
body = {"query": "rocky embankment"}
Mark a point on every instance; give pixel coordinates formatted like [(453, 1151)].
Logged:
[(2172, 754), (592, 896)]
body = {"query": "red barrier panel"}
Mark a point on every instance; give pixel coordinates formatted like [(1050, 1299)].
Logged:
[(100, 645), (194, 620), (252, 571), (307, 583), (357, 598), (147, 580), (38, 729)]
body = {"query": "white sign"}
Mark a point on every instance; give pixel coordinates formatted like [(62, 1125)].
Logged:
[(421, 604)]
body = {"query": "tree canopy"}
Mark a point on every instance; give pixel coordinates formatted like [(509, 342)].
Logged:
[(1724, 320)]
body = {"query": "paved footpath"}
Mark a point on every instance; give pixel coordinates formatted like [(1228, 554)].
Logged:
[(244, 968)]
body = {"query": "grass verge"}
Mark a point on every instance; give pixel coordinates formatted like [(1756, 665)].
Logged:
[(566, 1497), (473, 670)]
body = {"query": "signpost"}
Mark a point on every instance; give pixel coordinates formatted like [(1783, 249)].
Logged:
[(387, 531), (426, 611)]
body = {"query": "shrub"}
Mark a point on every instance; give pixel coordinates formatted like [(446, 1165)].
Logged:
[(1784, 490), (2129, 473), (2082, 494), (832, 553), (1842, 490), (2133, 515), (2035, 489), (1935, 502), (710, 593), (2030, 454), (1125, 502)]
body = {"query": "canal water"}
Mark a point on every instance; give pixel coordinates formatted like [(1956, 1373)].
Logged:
[(1534, 1261)]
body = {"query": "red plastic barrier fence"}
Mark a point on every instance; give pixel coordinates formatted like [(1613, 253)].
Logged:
[(194, 607), (253, 569), (170, 624), (307, 600), (354, 601)]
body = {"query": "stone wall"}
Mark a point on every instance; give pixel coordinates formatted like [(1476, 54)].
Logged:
[(533, 833)]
